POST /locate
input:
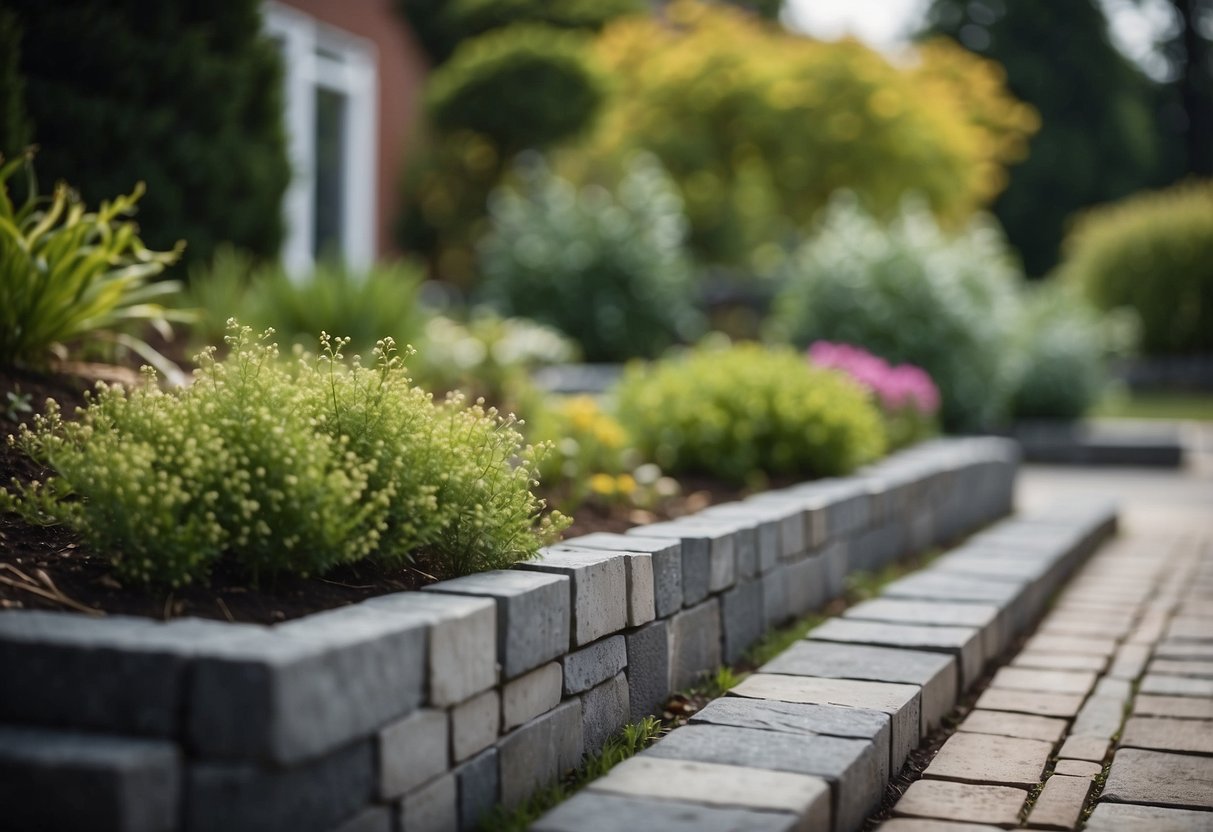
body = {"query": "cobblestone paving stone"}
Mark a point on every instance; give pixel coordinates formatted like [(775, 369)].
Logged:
[(1113, 643)]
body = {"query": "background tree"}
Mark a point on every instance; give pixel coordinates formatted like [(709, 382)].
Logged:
[(1189, 50), (182, 94), (1098, 139)]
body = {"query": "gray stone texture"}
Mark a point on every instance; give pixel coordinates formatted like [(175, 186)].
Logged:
[(271, 695), (66, 780), (855, 766), (604, 711), (806, 581), (475, 724), (433, 807), (539, 752), (599, 587), (477, 785), (666, 555), (121, 675), (962, 802), (312, 797), (694, 643), (594, 664), (533, 614), (1190, 736), (741, 619), (1004, 724), (592, 811), (371, 819), (771, 525), (988, 618), (935, 673), (1126, 817), (1182, 781), (528, 696), (775, 608), (962, 642), (412, 751), (802, 718), (900, 702), (462, 656), (805, 797), (648, 650)]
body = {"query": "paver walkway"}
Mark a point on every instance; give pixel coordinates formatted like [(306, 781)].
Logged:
[(1129, 642)]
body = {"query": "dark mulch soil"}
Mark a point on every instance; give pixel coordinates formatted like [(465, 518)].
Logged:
[(48, 567)]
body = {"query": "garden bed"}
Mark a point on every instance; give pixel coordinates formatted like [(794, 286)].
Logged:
[(437, 705)]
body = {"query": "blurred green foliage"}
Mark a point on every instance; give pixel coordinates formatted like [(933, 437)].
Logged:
[(184, 96), (1152, 253), (14, 121), (1064, 343), (911, 292), (1099, 138), (520, 87), (364, 306), (441, 25), (759, 126), (747, 412), (606, 268)]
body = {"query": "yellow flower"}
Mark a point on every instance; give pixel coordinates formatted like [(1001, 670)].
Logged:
[(603, 484)]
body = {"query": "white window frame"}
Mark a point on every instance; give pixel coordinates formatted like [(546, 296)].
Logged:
[(354, 76)]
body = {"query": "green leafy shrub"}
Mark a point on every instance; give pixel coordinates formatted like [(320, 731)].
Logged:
[(277, 468), (522, 87), (1063, 343), (68, 274), (746, 411), (608, 269), (1152, 253), (184, 96), (442, 25), (911, 293), (365, 305)]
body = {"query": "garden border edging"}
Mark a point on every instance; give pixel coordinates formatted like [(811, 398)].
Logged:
[(430, 707)]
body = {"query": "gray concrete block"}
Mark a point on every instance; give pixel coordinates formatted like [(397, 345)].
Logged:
[(855, 766), (806, 582), (371, 819), (593, 665), (712, 784), (798, 527), (433, 807), (742, 619), (475, 724), (666, 555), (120, 674), (903, 703), (528, 696), (694, 643), (66, 780), (462, 641), (539, 752), (709, 556), (936, 673), (591, 811), (806, 719), (995, 631), (836, 558), (478, 792), (311, 797), (269, 696), (411, 751), (604, 711), (533, 614), (771, 524), (745, 540), (599, 587), (775, 607), (963, 642), (648, 650)]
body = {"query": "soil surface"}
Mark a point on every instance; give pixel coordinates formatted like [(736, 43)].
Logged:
[(47, 567)]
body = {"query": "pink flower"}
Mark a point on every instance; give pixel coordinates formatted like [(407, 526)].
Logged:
[(895, 388)]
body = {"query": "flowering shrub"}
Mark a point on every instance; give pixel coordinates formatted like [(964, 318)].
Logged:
[(608, 269), (274, 468), (593, 457), (908, 399), (748, 411), (911, 292)]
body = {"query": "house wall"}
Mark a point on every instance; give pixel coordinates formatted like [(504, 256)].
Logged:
[(402, 69)]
